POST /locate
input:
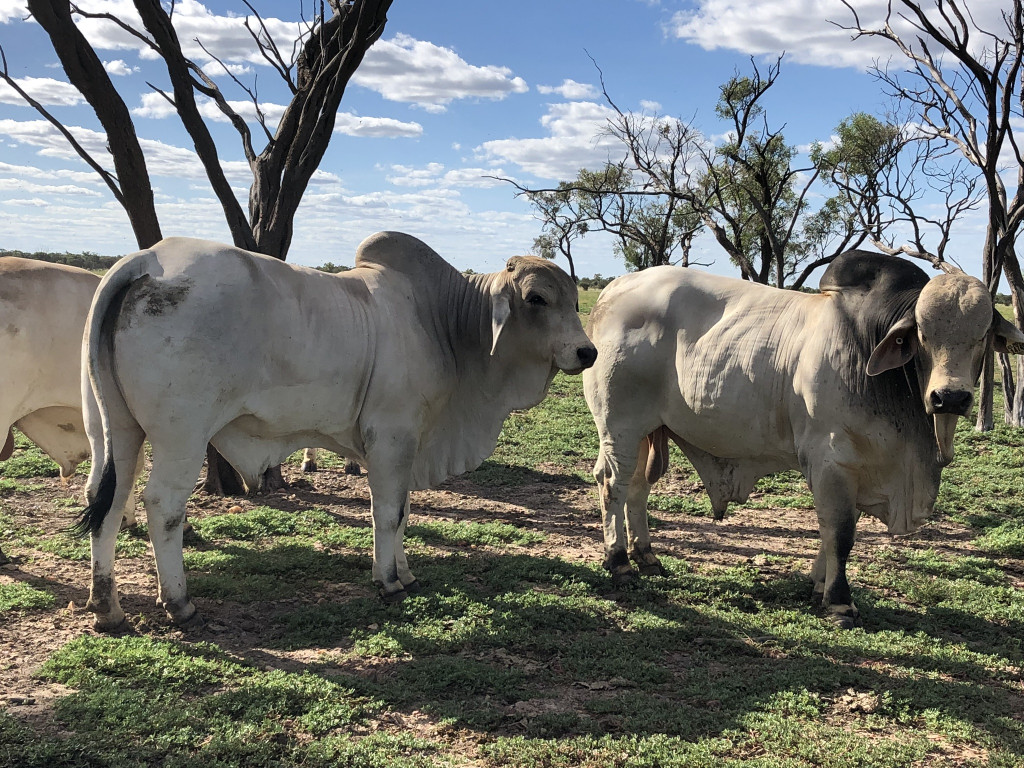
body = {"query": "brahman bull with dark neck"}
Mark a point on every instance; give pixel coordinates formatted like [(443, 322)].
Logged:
[(401, 363), (859, 388)]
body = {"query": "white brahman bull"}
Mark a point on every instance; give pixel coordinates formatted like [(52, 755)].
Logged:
[(401, 363), (43, 308), (859, 388)]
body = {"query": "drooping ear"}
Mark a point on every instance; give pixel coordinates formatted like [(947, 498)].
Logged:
[(896, 349), (501, 308), (1008, 337)]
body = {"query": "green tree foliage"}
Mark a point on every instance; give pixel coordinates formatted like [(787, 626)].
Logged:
[(86, 260)]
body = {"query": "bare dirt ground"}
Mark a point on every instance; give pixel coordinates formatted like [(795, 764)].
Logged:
[(563, 508)]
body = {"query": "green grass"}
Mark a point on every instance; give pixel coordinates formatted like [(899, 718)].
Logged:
[(22, 597), (518, 654)]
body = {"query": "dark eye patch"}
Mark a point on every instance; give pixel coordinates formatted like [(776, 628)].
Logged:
[(536, 300)]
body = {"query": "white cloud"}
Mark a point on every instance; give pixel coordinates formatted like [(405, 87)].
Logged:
[(570, 89), (118, 68), (31, 172), (161, 159), (21, 185), (431, 77), (155, 106), (575, 140), (434, 175), (12, 10), (226, 37), (45, 90), (805, 29), (385, 127)]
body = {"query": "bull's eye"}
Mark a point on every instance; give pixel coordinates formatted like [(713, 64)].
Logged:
[(536, 300)]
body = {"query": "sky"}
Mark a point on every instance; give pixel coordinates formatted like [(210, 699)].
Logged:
[(455, 93)]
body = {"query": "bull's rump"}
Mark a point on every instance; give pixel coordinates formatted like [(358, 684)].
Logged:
[(210, 336), (42, 313), (723, 363)]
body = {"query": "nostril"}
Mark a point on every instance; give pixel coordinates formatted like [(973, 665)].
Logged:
[(587, 356), (955, 401)]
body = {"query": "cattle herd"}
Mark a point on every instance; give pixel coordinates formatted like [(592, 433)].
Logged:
[(410, 368)]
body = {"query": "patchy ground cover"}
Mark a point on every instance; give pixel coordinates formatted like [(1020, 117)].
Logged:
[(518, 652)]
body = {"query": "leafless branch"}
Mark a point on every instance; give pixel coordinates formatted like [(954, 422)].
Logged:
[(108, 178)]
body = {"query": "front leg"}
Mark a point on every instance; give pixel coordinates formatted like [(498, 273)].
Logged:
[(613, 471), (834, 503), (389, 461)]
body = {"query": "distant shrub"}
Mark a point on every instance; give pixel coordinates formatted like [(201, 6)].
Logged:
[(332, 268), (87, 260)]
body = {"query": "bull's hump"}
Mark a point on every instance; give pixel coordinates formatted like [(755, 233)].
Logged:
[(404, 254)]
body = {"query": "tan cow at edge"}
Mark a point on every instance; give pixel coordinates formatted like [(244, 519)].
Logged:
[(859, 388), (43, 308), (401, 363)]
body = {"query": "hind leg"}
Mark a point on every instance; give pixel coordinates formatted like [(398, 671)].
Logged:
[(170, 483), (103, 599), (309, 460), (638, 533)]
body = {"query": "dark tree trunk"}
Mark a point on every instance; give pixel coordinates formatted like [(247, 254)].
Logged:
[(1009, 387), (221, 478), (85, 71)]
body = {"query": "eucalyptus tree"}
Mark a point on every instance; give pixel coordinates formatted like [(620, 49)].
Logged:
[(963, 82), (316, 70)]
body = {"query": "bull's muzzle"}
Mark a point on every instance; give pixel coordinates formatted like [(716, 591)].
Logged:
[(587, 356), (946, 405), (953, 401)]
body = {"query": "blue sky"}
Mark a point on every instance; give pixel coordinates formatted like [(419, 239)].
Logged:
[(455, 91)]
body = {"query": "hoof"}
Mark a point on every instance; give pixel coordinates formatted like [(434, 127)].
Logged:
[(183, 614), (624, 577), (353, 468), (844, 621), (111, 625), (413, 587), (845, 616), (4, 559), (309, 466), (393, 597), (195, 621), (652, 569)]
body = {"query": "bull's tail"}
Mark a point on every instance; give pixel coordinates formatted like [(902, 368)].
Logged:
[(98, 359)]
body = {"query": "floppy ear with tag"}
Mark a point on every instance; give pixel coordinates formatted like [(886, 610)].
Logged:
[(1008, 337), (897, 348)]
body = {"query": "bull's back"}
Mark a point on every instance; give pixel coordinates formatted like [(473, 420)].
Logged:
[(236, 332)]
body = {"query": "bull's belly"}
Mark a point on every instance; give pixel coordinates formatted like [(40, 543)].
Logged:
[(750, 432), (252, 444)]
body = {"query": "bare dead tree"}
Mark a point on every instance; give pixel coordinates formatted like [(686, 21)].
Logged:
[(129, 183), (964, 82), (321, 63)]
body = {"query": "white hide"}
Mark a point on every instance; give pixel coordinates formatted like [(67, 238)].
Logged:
[(401, 363)]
